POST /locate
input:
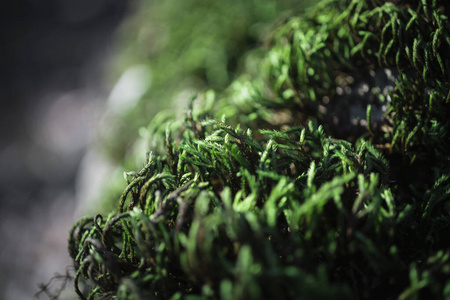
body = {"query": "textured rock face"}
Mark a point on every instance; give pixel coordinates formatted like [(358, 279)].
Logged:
[(348, 110)]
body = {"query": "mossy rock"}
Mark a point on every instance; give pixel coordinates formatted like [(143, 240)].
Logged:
[(295, 193)]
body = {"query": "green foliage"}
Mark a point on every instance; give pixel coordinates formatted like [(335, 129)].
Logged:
[(181, 54), (283, 198), (186, 46)]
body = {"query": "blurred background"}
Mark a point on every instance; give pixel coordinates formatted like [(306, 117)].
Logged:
[(79, 79), (53, 57)]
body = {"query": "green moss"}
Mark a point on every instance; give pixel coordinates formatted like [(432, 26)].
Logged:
[(186, 47), (287, 196), (182, 54)]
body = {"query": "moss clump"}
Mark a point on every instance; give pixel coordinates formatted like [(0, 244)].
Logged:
[(307, 197), (185, 53), (169, 55)]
